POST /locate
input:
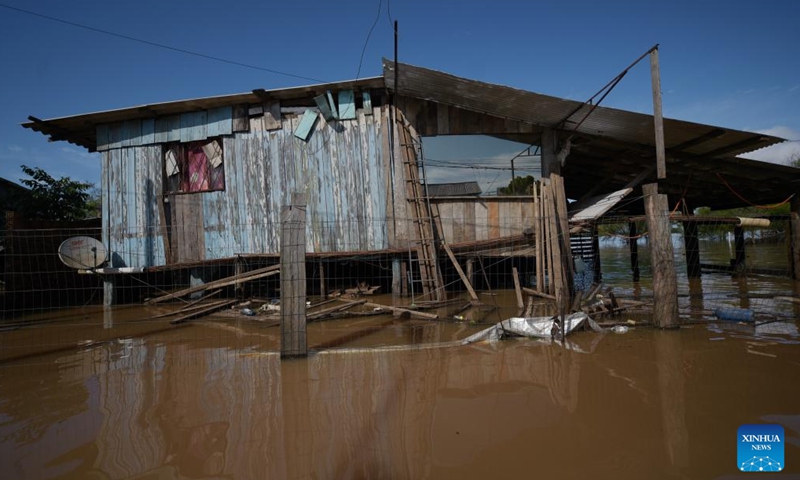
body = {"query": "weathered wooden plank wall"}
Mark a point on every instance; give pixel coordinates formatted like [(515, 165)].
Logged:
[(343, 168), (483, 218), (131, 189)]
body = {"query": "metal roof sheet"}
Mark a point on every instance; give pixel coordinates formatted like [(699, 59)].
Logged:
[(80, 129), (546, 111)]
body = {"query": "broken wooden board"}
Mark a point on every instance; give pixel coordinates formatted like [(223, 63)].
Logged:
[(202, 313), (224, 282)]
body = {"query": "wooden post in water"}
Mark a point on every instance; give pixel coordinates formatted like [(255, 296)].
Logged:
[(692, 246), (665, 283), (293, 278), (598, 268), (633, 245), (738, 243), (794, 237)]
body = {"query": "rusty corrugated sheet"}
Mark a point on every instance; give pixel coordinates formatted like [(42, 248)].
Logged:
[(453, 189), (612, 124)]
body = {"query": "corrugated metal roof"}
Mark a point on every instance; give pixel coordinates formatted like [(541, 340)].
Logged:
[(80, 129), (456, 189), (547, 111)]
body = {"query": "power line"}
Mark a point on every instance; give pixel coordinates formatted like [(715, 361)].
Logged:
[(366, 42), (160, 45)]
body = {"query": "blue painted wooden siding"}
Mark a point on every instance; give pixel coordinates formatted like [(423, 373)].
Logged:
[(131, 186), (186, 127), (342, 171)]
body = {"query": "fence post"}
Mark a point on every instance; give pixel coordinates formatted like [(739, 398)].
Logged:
[(293, 278), (665, 283)]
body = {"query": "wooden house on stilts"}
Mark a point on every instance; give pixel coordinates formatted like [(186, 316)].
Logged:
[(198, 185)]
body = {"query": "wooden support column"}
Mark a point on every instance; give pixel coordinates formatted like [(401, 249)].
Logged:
[(665, 283), (738, 243), (633, 245), (323, 289), (794, 238), (396, 280), (404, 278), (471, 271), (692, 246), (293, 278), (238, 269), (598, 270), (550, 163)]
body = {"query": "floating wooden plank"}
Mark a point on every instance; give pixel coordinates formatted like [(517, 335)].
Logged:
[(464, 279), (306, 124), (191, 306), (413, 313), (225, 282), (202, 313), (347, 105)]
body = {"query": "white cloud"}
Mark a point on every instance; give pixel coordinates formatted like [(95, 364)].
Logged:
[(782, 152), (14, 148)]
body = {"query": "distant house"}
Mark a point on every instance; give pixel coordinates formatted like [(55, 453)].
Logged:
[(457, 189)]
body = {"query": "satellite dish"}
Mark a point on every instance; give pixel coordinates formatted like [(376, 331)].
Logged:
[(82, 252)]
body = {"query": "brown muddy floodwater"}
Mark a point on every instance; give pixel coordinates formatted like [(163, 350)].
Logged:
[(214, 400), (117, 395)]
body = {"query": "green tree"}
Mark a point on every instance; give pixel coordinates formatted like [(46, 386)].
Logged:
[(53, 199), (517, 186)]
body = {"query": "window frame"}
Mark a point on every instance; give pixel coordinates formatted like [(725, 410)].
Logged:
[(183, 167)]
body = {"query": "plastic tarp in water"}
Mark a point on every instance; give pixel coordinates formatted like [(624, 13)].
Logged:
[(537, 327)]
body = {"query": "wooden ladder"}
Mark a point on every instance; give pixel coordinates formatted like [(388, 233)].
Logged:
[(421, 213)]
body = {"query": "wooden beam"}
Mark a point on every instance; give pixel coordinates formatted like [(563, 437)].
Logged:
[(200, 313), (467, 284), (225, 282), (658, 120), (413, 313), (717, 132)]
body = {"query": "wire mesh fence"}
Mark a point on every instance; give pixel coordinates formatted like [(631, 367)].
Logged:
[(741, 268)]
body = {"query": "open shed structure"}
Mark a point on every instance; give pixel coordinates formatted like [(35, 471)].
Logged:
[(202, 181)]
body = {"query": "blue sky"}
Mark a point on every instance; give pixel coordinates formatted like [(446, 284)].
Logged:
[(727, 63)]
